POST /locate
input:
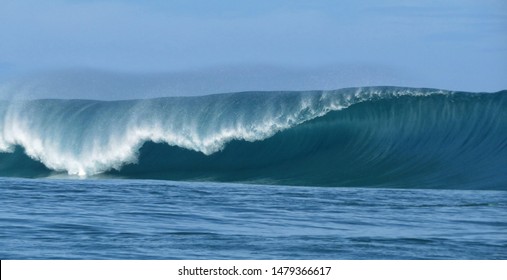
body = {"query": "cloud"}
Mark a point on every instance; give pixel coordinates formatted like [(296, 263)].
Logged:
[(429, 40), (110, 85)]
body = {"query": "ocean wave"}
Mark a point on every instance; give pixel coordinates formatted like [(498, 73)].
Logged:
[(376, 136)]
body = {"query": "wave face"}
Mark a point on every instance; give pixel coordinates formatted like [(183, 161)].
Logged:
[(371, 137)]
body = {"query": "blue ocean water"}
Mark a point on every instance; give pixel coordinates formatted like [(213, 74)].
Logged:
[(142, 219), (379, 136), (357, 173)]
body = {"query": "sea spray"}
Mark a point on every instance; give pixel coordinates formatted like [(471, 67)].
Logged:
[(358, 136)]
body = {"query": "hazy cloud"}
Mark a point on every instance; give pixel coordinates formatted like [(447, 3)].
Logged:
[(99, 84), (437, 44)]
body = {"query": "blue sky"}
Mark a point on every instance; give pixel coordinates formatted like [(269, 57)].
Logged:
[(456, 44)]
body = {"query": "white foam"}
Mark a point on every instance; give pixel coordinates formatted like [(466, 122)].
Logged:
[(111, 138)]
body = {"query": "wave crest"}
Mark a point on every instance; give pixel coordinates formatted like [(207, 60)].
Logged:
[(86, 137)]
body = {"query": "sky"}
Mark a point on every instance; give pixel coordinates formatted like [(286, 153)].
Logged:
[(124, 49)]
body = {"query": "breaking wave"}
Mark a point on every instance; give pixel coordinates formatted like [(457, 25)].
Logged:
[(372, 137)]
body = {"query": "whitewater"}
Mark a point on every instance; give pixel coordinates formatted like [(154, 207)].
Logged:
[(355, 173), (399, 137), (88, 137)]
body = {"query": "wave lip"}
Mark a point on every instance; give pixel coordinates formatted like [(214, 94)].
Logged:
[(302, 138)]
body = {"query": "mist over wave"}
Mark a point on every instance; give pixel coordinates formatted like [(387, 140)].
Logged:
[(89, 83), (375, 136)]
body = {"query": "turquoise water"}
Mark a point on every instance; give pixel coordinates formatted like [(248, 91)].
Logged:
[(139, 219), (358, 137), (358, 173)]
